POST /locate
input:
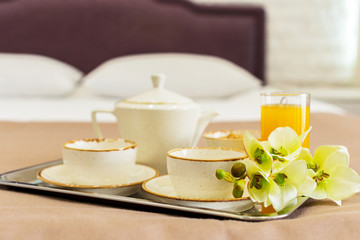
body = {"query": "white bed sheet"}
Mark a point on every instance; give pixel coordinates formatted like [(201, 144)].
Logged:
[(77, 107)]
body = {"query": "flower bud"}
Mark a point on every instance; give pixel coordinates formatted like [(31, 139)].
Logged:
[(220, 174), (238, 170)]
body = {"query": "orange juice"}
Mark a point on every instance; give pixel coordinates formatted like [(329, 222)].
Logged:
[(285, 115)]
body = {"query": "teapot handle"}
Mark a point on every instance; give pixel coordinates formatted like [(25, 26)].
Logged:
[(95, 122)]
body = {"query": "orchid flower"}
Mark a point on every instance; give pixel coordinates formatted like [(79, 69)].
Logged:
[(260, 186), (276, 182), (329, 168), (293, 181), (281, 188), (258, 152), (285, 144), (280, 170)]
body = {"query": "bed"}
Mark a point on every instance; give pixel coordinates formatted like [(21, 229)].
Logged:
[(68, 58), (56, 68)]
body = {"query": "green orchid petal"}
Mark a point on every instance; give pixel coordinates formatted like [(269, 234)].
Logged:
[(303, 135), (320, 191), (305, 155), (258, 195), (311, 173), (292, 203), (282, 196), (293, 155), (252, 168), (278, 166), (267, 202), (284, 140), (328, 157), (307, 187), (248, 144), (296, 172), (266, 145), (339, 157), (274, 191), (254, 149), (342, 183)]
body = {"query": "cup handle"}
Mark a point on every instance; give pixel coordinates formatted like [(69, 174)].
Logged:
[(95, 122)]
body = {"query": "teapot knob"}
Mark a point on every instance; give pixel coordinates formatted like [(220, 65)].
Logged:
[(158, 80)]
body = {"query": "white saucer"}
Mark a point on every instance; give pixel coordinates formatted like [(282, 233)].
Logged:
[(125, 185), (160, 189)]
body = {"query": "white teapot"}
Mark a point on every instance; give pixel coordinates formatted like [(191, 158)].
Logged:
[(158, 120)]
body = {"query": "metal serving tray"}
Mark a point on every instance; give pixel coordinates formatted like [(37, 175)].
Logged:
[(25, 178)]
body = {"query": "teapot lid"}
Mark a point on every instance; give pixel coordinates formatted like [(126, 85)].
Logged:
[(158, 94)]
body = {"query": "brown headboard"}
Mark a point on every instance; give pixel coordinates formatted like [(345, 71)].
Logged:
[(85, 33)]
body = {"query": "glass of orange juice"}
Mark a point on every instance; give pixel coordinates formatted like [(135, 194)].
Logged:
[(285, 109)]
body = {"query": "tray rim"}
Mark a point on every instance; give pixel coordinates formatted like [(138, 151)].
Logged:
[(140, 201)]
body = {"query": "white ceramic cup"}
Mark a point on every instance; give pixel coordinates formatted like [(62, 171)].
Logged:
[(192, 171), (228, 138), (104, 156)]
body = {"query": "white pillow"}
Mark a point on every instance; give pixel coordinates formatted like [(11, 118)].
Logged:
[(192, 75), (35, 75)]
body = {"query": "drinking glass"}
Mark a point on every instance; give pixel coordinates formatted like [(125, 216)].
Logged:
[(285, 109)]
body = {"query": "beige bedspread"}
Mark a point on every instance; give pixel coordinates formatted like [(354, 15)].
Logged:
[(30, 215)]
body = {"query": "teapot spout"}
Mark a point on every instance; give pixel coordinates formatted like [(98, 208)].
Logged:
[(202, 123)]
